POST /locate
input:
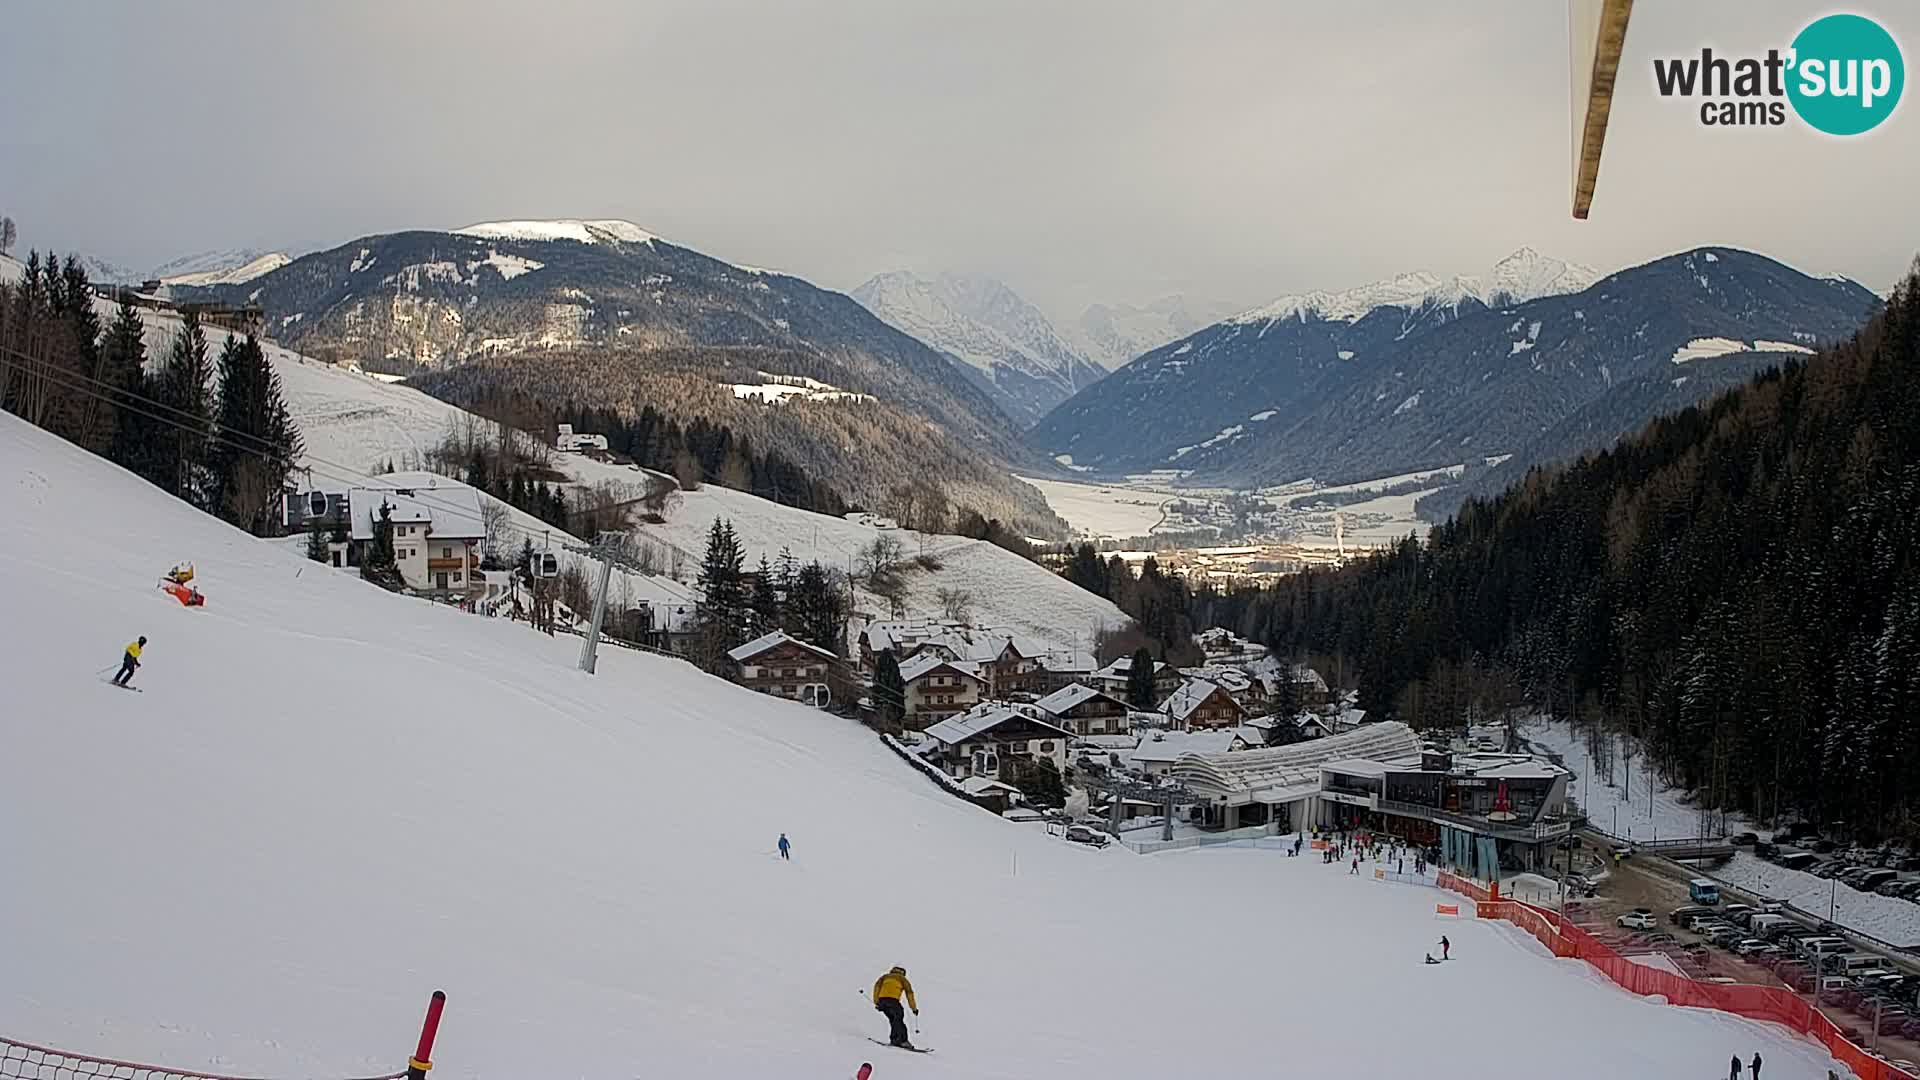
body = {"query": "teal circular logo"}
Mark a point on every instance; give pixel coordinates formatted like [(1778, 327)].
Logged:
[(1847, 74)]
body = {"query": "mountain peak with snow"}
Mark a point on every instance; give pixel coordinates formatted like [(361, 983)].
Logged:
[(581, 230), (989, 331), (1524, 275)]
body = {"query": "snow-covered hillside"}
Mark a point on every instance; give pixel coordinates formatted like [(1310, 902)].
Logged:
[(330, 800), (221, 267), (353, 424), (1112, 335)]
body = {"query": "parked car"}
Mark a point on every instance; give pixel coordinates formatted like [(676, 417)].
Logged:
[(1766, 849), (1738, 914), (1703, 891), (1726, 936), (1798, 860), (1635, 920), (1750, 946), (1893, 887), (1876, 877), (1744, 839), (1832, 986), (1081, 834), (1679, 916), (1828, 869)]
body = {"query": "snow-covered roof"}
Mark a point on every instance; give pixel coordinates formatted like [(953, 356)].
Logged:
[(740, 654), (1254, 737), (1123, 666), (1071, 695), (927, 662), (1232, 680), (1192, 694), (1299, 764), (1358, 767), (986, 785), (981, 719), (450, 508), (1107, 742), (1171, 746)]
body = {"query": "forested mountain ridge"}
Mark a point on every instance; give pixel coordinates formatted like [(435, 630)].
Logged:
[(1738, 584), (867, 450), (1419, 373), (427, 302)]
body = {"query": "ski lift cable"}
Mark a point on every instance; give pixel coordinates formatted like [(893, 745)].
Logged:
[(222, 434)]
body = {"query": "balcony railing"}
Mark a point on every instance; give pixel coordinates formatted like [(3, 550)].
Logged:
[(1543, 829)]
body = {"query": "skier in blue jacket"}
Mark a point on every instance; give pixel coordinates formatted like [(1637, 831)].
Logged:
[(785, 847)]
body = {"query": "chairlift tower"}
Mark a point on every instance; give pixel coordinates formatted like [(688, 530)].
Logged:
[(607, 552), (1168, 794)]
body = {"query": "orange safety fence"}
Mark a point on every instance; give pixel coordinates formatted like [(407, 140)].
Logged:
[(1774, 1004)]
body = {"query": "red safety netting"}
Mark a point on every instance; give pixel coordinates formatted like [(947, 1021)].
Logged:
[(30, 1062), (1775, 1004)]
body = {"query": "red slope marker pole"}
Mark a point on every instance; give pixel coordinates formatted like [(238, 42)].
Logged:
[(422, 1058)]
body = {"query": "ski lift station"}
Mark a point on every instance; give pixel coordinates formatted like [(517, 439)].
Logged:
[(1485, 810)]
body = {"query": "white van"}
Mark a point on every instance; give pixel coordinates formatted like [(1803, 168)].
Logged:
[(1858, 965), (1763, 926), (1818, 949)]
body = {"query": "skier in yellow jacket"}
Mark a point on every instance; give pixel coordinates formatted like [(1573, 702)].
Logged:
[(128, 662), (886, 998)]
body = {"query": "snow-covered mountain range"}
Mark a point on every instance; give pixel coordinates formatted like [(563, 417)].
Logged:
[(229, 267), (1524, 275), (1112, 335), (999, 339), (1525, 364)]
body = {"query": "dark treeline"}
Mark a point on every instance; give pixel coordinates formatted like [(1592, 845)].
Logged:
[(1161, 605), (1737, 587), (212, 431), (705, 452)]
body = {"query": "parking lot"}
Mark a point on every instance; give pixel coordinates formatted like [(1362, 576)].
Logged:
[(1715, 946)]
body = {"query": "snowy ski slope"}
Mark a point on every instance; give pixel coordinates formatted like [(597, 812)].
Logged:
[(330, 800)]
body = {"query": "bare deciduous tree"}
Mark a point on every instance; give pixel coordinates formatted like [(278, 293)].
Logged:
[(956, 604)]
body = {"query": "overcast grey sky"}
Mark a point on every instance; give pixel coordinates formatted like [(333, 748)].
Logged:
[(1098, 150)]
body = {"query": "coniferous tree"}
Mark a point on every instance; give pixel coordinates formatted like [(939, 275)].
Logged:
[(724, 608), (184, 388), (1140, 693), (889, 691), (817, 609), (317, 542), (763, 601), (123, 363), (258, 441)]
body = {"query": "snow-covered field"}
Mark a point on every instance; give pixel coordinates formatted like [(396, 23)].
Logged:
[(1103, 509), (1008, 592), (330, 800)]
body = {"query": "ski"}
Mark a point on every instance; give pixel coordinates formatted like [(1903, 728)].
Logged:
[(911, 1049), (118, 686)]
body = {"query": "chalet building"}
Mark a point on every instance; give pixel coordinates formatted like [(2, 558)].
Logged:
[(1085, 711), (1156, 753), (1202, 704), (437, 523), (1113, 678), (938, 688), (979, 741), (783, 666)]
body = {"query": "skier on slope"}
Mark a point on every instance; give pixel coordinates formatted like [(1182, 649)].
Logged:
[(785, 847), (129, 662), (886, 999), (1446, 948)]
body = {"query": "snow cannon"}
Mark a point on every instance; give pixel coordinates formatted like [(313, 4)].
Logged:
[(187, 595)]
